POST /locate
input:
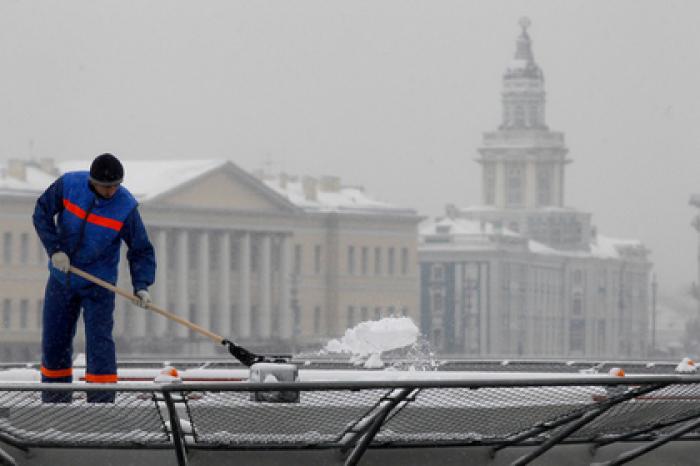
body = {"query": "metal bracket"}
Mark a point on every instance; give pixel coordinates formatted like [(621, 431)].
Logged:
[(646, 430), (6, 459), (370, 429), (637, 452), (583, 420), (178, 435)]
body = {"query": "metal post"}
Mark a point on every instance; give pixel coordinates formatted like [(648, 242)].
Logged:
[(176, 428)]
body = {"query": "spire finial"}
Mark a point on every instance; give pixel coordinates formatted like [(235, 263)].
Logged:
[(524, 23)]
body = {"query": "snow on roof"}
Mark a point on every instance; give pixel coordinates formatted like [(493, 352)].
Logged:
[(147, 179), (314, 197), (35, 180), (601, 247)]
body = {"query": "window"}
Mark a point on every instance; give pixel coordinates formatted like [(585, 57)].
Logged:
[(544, 185), (377, 313), (577, 306), (24, 248), (6, 314), (7, 248), (514, 186), (351, 316), (390, 262), (364, 259), (404, 261), (317, 320), (437, 302), (404, 311), (297, 258), (363, 314), (391, 312), (317, 259), (519, 116), (577, 335), (351, 260), (24, 313), (377, 261)]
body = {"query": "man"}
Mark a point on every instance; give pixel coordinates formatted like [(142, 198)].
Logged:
[(94, 214)]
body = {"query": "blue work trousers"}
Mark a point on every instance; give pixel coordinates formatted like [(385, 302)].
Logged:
[(62, 305)]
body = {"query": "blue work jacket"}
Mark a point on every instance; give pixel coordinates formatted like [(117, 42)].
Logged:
[(90, 228)]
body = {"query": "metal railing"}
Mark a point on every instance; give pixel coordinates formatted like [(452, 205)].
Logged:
[(351, 417)]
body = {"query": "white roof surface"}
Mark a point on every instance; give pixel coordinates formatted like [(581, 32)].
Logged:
[(460, 229), (147, 179)]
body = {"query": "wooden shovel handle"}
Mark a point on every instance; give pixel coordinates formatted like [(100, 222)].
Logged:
[(151, 307)]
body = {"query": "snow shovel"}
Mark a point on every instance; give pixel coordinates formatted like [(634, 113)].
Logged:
[(238, 352)]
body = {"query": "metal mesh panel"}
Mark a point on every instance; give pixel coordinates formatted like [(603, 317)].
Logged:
[(320, 418), (465, 415), (667, 404), (132, 420)]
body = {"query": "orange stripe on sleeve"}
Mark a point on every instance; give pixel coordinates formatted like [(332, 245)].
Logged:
[(101, 378), (57, 372)]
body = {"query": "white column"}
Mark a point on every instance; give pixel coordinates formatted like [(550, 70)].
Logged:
[(160, 295), (203, 301), (265, 288), (182, 301), (285, 315), (244, 319), (224, 272)]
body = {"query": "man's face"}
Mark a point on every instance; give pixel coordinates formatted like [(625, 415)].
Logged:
[(105, 191)]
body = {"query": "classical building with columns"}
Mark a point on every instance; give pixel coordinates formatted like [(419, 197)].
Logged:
[(522, 274), (277, 263)]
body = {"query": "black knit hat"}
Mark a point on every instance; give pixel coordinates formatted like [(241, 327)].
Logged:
[(106, 170)]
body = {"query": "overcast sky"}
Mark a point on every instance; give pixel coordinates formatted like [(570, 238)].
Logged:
[(392, 95)]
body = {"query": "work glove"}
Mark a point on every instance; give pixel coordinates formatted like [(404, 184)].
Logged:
[(60, 261), (143, 298)]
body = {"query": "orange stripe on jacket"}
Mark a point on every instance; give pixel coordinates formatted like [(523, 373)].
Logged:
[(57, 372), (92, 218), (101, 378)]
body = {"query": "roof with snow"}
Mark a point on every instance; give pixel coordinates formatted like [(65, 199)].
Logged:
[(149, 179), (326, 194), (465, 234)]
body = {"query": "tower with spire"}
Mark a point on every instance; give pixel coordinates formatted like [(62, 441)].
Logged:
[(523, 162)]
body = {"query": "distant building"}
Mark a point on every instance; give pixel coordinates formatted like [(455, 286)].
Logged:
[(695, 201), (522, 274), (276, 263)]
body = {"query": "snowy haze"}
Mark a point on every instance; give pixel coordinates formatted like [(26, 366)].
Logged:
[(369, 89)]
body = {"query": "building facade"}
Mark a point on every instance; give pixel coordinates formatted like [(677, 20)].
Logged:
[(522, 274), (277, 263)]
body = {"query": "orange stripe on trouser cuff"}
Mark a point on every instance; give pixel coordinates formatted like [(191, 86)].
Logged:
[(101, 378), (92, 218), (55, 373)]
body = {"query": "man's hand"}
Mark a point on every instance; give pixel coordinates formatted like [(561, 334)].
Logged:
[(144, 299), (60, 261)]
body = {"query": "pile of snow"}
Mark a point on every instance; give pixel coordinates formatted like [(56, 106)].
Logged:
[(367, 340), (686, 366)]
